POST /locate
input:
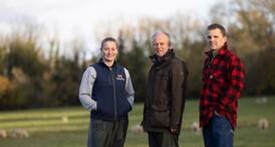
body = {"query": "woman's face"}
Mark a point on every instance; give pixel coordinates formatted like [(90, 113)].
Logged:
[(109, 51)]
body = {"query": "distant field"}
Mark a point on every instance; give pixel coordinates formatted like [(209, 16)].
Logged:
[(67, 127)]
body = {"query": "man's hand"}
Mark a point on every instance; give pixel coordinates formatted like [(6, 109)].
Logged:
[(173, 130)]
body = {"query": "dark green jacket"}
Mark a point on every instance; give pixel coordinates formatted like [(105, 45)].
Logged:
[(164, 105)]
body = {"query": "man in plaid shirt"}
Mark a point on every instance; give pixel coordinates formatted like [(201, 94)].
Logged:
[(223, 82)]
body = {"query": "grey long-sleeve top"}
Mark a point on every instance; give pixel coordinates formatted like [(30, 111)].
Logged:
[(86, 86)]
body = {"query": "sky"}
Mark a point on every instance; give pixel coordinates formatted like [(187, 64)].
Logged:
[(71, 19)]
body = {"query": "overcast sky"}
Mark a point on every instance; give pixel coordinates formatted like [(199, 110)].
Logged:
[(69, 18)]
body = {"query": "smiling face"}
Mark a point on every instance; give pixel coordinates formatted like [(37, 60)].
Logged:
[(161, 44), (109, 51), (215, 39)]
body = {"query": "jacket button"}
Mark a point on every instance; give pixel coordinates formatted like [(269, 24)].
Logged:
[(211, 76)]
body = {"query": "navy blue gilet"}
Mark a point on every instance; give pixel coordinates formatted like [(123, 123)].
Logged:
[(109, 92)]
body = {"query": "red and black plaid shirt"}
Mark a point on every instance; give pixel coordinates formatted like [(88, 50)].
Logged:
[(223, 82)]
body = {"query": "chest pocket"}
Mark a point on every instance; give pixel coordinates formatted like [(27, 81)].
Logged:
[(218, 76), (104, 79), (162, 81), (160, 89)]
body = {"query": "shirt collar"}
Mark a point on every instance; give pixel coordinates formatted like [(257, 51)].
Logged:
[(221, 51)]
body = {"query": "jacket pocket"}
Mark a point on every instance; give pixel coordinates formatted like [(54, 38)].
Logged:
[(105, 108), (159, 117), (123, 107)]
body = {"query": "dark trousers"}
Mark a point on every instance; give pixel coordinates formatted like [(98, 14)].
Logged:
[(218, 132), (157, 139), (107, 133)]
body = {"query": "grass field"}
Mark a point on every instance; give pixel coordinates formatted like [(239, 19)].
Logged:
[(50, 128)]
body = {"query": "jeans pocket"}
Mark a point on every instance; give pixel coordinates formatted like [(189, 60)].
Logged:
[(97, 125), (222, 125)]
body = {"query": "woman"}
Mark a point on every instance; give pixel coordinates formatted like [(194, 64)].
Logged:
[(106, 91)]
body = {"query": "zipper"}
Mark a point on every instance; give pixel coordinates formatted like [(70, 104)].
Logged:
[(114, 88)]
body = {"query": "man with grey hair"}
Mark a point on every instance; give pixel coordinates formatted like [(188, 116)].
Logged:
[(165, 101)]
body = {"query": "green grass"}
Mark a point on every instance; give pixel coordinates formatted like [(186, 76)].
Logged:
[(47, 129)]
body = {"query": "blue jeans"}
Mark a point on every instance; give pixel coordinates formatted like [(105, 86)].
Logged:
[(218, 132)]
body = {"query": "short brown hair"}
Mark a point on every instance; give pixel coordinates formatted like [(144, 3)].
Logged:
[(217, 26)]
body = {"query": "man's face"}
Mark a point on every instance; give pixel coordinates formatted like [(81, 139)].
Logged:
[(160, 44), (109, 51), (215, 39)]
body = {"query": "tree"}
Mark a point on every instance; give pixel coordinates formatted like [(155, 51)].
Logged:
[(251, 26), (138, 68)]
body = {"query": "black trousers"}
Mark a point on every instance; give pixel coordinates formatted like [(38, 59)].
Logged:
[(107, 133), (163, 139)]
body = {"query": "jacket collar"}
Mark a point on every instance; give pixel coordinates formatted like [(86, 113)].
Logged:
[(159, 60), (100, 61), (221, 51)]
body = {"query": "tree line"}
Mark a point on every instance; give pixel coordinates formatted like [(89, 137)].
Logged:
[(32, 76)]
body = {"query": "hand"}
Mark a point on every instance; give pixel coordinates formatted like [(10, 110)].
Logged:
[(173, 130)]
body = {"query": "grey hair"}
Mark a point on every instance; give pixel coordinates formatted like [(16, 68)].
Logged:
[(164, 33)]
